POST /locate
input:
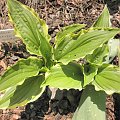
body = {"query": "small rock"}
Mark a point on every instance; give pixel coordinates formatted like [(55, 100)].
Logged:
[(14, 58)]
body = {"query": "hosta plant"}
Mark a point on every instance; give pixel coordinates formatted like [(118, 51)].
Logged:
[(59, 66)]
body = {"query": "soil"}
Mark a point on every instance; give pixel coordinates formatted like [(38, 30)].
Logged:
[(58, 104)]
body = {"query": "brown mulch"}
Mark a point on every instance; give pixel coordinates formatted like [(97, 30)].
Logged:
[(57, 14)]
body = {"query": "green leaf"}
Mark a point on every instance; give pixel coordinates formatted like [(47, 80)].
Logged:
[(85, 44), (89, 72), (29, 91), (20, 71), (32, 30), (65, 76), (113, 45), (66, 31), (5, 99), (108, 79), (92, 105), (104, 19), (98, 56)]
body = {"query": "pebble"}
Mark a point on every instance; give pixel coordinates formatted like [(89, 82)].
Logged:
[(14, 58)]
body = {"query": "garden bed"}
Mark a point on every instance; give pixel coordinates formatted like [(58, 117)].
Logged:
[(57, 14)]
